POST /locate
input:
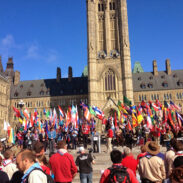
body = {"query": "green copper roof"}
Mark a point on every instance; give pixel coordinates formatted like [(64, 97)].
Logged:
[(137, 68), (85, 72)]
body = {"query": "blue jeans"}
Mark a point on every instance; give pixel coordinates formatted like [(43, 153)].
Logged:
[(86, 177)]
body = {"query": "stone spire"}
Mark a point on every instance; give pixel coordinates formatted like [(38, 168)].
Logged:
[(9, 72), (1, 66)]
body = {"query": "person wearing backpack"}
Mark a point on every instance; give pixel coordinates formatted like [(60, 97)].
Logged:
[(32, 171), (117, 173)]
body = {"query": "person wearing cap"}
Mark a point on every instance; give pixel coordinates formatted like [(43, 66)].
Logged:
[(151, 167), (62, 164), (84, 161)]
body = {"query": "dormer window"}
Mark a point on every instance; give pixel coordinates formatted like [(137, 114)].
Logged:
[(143, 86), (41, 92), (21, 86), (165, 84), (42, 84), (151, 77), (139, 78), (150, 85), (48, 92), (29, 93), (16, 94), (163, 77), (180, 83), (175, 75)]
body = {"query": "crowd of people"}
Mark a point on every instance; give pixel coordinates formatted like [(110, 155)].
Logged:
[(33, 166), (41, 153)]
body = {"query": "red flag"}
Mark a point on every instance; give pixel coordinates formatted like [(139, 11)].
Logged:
[(17, 112), (129, 126)]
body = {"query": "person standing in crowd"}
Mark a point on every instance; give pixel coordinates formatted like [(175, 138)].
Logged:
[(129, 161), (35, 137), (8, 166), (1, 148), (20, 139), (29, 139), (117, 173), (177, 172), (32, 171), (84, 161), (95, 141), (178, 149), (51, 137), (3, 177), (109, 139), (62, 164), (169, 155), (85, 132), (151, 167), (74, 138), (142, 154), (43, 137)]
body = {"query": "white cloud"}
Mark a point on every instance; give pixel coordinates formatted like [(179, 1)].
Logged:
[(33, 52), (52, 56), (8, 41)]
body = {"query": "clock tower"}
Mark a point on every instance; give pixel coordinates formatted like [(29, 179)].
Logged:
[(109, 61)]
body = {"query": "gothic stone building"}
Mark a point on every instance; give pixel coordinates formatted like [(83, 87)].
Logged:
[(108, 76)]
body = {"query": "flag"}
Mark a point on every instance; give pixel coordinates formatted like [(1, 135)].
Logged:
[(47, 113), (17, 112), (149, 122), (32, 120), (99, 113), (26, 113), (61, 111), (119, 105), (92, 111), (129, 126), (179, 119), (87, 114), (68, 117), (5, 126), (127, 101), (155, 107), (134, 120), (11, 136), (35, 113), (175, 106), (44, 111)]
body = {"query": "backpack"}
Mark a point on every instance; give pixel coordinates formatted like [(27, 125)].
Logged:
[(118, 174), (49, 178)]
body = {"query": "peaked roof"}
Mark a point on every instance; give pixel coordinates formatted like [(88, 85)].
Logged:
[(137, 68), (147, 81), (50, 87)]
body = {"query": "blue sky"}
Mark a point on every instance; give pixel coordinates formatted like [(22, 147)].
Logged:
[(43, 34)]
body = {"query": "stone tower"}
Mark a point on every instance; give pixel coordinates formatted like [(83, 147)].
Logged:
[(109, 61)]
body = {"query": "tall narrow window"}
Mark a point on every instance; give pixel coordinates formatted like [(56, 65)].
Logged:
[(110, 80), (101, 34), (113, 32)]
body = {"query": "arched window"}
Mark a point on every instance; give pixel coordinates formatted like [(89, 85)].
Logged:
[(110, 80)]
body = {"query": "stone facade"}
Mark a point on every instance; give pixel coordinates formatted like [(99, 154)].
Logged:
[(109, 61), (4, 102)]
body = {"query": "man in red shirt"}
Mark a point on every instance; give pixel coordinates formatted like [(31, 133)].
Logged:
[(116, 157), (129, 161), (109, 139), (85, 131), (62, 164)]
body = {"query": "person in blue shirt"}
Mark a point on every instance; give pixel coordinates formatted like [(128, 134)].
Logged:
[(51, 137)]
